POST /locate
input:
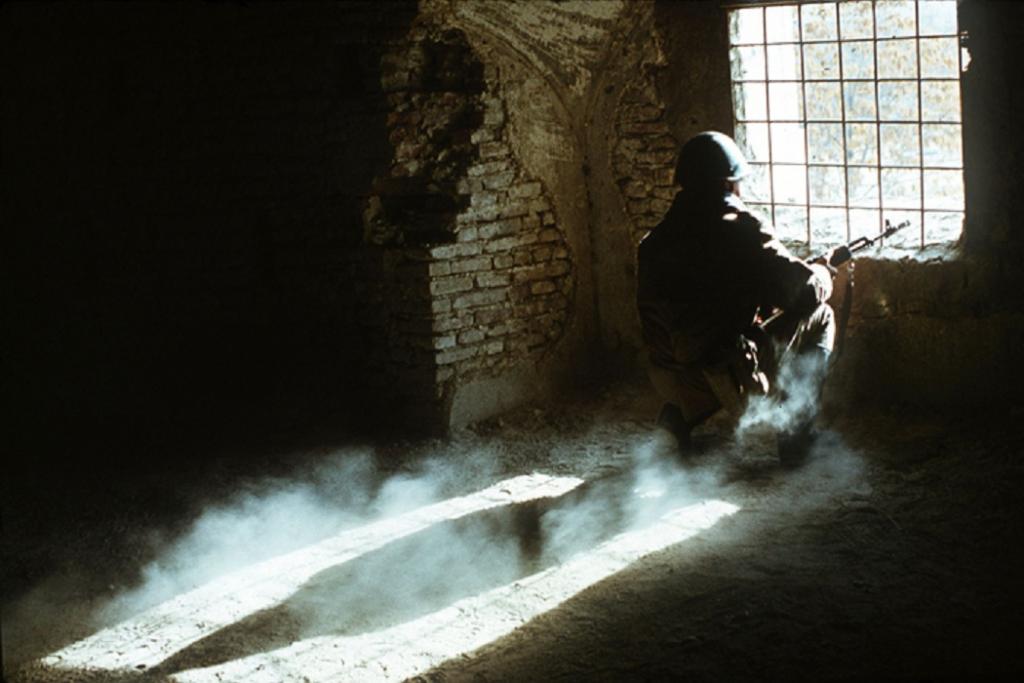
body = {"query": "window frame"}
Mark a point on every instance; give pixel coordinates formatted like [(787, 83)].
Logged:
[(923, 207)]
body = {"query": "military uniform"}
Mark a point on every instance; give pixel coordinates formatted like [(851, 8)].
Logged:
[(705, 274)]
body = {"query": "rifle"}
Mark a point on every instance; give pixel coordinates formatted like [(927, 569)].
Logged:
[(841, 255), (844, 254), (835, 258)]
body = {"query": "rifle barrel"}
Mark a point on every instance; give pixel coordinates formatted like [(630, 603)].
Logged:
[(840, 257)]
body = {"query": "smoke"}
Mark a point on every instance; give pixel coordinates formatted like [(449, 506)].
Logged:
[(628, 487), (650, 483), (831, 469), (409, 577), (794, 401), (456, 558), (269, 517), (265, 518)]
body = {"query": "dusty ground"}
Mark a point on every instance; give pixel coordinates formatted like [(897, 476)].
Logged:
[(894, 554)]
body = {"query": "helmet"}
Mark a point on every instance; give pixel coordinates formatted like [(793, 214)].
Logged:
[(710, 156)]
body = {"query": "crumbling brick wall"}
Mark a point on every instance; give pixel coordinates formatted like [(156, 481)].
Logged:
[(474, 241), (503, 289), (644, 154), (433, 84)]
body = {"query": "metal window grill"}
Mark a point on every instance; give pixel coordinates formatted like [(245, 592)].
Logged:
[(850, 115)]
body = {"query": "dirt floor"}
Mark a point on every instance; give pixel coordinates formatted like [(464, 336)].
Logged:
[(893, 554)]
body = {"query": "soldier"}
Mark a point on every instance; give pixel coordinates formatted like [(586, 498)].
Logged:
[(709, 275)]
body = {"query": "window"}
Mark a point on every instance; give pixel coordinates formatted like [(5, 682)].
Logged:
[(850, 114)]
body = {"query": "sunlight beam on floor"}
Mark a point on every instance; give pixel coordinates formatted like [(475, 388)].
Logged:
[(415, 647), (154, 635)]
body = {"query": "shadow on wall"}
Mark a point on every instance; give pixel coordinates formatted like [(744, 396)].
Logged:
[(188, 205)]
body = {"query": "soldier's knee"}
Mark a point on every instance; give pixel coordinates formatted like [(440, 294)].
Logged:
[(686, 388)]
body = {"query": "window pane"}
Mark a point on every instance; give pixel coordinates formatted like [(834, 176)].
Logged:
[(862, 186), (825, 142), (753, 140), (901, 188), (749, 101), (897, 101), (780, 24), (791, 223), (900, 144), (897, 59), (861, 143), (940, 101), (827, 185), (824, 101), (856, 20), (788, 142), (756, 186), (821, 61), (910, 236), (944, 190), (761, 211), (828, 226), (939, 58), (790, 184), (938, 17), (859, 99), (747, 63), (785, 101), (864, 223), (784, 62), (819, 21), (859, 60), (941, 142), (895, 18), (745, 26), (941, 227)]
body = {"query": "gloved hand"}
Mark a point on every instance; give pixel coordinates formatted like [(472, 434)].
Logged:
[(834, 258)]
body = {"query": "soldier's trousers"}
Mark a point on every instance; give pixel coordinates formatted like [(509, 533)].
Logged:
[(688, 386)]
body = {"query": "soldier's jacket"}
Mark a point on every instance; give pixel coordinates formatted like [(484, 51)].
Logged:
[(706, 270)]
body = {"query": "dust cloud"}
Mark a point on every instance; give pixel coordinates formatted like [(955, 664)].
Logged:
[(795, 399), (453, 559)]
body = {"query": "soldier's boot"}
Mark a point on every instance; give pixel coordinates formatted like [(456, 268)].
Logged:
[(795, 445), (671, 420)]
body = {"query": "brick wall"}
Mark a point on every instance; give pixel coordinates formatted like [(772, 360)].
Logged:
[(504, 289), (644, 154), (481, 232)]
